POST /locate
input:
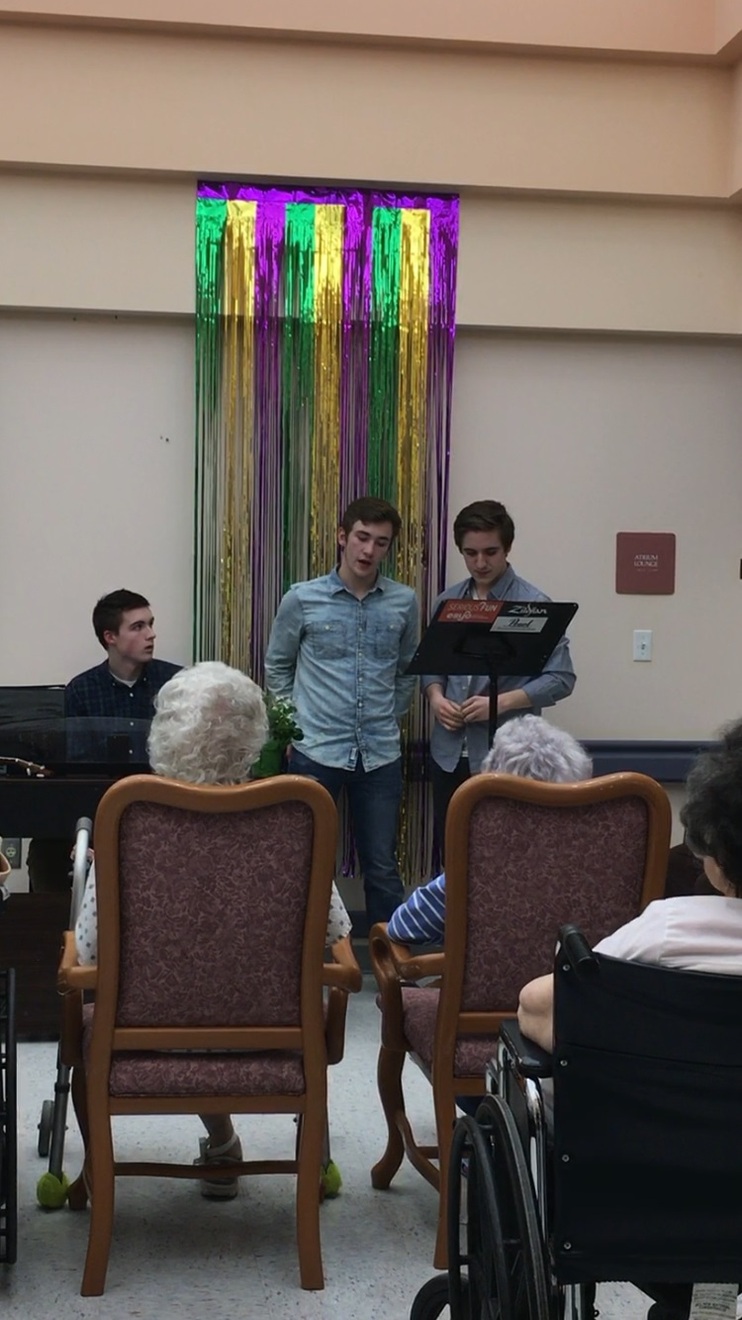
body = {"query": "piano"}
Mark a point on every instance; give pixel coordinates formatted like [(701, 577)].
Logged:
[(54, 770)]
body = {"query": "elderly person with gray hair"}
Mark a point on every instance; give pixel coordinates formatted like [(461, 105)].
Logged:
[(527, 746), (209, 727)]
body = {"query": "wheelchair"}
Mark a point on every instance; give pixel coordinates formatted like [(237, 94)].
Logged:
[(8, 1133), (619, 1157)]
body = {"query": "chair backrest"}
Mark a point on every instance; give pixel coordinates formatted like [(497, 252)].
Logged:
[(212, 903), (647, 1123), (525, 857)]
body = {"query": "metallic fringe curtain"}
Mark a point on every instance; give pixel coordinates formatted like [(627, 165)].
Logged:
[(324, 367)]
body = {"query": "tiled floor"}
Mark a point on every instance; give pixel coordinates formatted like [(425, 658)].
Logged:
[(175, 1254)]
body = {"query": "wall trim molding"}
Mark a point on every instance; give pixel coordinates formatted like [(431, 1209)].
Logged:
[(669, 762)]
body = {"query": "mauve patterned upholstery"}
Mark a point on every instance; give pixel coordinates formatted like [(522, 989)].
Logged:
[(186, 961), (261, 1073), (420, 1007), (533, 868), (207, 1074)]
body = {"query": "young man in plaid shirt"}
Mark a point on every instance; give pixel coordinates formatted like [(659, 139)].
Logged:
[(123, 687)]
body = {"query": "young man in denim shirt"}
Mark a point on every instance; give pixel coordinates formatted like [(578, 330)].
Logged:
[(484, 533), (339, 648)]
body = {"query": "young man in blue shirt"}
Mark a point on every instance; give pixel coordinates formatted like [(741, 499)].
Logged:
[(484, 533), (339, 648)]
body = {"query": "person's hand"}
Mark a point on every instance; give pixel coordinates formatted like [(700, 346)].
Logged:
[(475, 710), (448, 713)]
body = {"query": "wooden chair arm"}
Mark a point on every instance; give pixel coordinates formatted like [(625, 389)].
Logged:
[(407, 965), (70, 1039), (393, 965), (343, 976), (336, 1011), (70, 975), (343, 973)]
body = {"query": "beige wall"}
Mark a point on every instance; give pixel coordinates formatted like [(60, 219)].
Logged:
[(152, 102), (550, 263), (96, 437), (728, 24), (126, 244), (693, 27), (117, 244), (585, 437)]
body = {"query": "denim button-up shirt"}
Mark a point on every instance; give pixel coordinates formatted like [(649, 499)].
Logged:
[(342, 661), (556, 680)]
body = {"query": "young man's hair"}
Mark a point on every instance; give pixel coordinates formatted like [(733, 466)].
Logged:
[(534, 749), (485, 516), (712, 814), (110, 610), (369, 509)]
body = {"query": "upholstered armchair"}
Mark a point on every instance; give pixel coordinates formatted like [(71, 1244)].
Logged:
[(523, 858), (211, 991)]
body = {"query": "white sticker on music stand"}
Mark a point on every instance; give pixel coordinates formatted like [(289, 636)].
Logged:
[(714, 1301), (521, 623)]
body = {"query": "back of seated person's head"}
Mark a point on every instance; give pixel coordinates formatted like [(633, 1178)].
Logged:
[(712, 814), (209, 727), (534, 749)]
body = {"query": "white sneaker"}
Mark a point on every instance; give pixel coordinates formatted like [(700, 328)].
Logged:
[(220, 1189)]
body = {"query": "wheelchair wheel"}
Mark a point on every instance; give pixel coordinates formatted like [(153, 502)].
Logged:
[(8, 1133), (484, 1292), (46, 1122), (524, 1246), (432, 1299), (504, 1252)]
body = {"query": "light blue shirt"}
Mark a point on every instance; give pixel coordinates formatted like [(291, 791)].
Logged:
[(555, 682), (342, 662)]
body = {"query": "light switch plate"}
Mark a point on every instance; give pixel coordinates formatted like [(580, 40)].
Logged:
[(642, 644)]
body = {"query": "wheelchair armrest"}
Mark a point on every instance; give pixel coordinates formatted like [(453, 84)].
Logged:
[(393, 968), (530, 1060), (573, 944)]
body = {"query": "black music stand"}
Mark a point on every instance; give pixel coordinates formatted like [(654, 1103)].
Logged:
[(493, 637)]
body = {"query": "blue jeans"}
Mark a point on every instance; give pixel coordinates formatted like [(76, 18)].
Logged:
[(373, 799)]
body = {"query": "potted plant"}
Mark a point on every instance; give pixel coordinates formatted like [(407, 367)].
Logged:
[(282, 730)]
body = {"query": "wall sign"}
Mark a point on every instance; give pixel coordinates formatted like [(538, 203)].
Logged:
[(645, 563)]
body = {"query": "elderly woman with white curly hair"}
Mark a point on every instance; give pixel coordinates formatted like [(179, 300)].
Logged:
[(209, 727), (527, 746)]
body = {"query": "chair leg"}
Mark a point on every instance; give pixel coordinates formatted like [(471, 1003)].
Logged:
[(101, 1210), (389, 1081), (77, 1197), (445, 1117), (312, 1129)]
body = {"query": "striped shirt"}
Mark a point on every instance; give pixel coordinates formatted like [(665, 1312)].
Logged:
[(422, 919)]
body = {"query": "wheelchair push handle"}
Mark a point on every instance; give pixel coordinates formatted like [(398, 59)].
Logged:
[(83, 835), (574, 947)]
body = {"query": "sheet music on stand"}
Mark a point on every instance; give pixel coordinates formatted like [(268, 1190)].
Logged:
[(494, 637)]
